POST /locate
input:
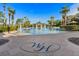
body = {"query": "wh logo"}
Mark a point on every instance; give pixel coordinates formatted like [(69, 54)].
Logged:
[(41, 46)]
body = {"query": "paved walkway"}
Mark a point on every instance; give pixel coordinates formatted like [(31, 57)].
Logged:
[(23, 45)]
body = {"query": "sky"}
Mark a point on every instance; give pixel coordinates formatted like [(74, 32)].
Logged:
[(39, 11)]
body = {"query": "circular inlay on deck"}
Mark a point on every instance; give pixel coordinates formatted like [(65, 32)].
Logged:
[(3, 41), (35, 47)]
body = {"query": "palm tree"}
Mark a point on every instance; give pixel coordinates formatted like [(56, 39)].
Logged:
[(19, 23), (51, 21), (19, 20), (77, 16), (9, 14), (64, 12), (26, 22), (4, 8), (52, 17), (1, 14), (13, 12), (78, 8), (58, 22), (1, 17), (25, 18)]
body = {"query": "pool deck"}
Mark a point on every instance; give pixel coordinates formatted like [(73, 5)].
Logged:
[(13, 47)]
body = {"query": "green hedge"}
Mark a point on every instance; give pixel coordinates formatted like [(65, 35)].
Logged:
[(5, 28), (70, 28)]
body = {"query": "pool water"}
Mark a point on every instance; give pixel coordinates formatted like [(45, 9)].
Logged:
[(36, 31)]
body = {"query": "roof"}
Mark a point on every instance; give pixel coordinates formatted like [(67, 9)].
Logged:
[(73, 22)]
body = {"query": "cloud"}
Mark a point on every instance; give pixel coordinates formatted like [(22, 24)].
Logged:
[(73, 9)]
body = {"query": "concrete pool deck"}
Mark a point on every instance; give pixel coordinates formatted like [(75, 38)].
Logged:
[(13, 47)]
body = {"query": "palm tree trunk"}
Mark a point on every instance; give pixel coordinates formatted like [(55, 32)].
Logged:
[(12, 19), (65, 19), (9, 24), (4, 8)]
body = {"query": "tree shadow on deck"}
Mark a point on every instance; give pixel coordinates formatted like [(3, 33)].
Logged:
[(3, 41), (74, 40)]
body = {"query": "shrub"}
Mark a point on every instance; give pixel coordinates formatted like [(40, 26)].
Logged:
[(5, 28), (71, 27), (12, 28)]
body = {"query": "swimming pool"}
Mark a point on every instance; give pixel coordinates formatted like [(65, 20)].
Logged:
[(37, 31)]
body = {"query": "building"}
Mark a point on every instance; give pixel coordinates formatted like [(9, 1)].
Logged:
[(71, 19), (39, 25)]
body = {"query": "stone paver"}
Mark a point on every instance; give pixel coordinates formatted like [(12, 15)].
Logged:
[(13, 47)]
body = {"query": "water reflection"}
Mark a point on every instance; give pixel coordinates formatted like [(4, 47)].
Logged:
[(41, 30)]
